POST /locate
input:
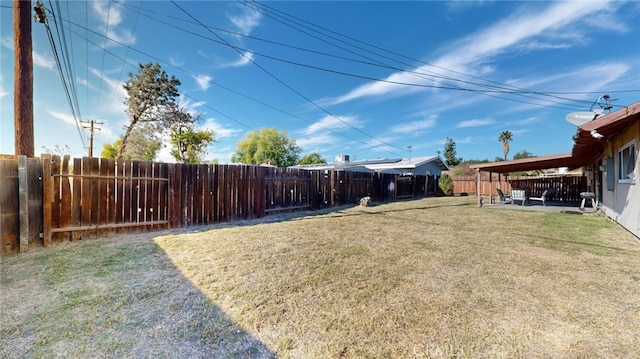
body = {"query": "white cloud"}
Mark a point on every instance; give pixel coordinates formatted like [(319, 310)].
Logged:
[(38, 59), (322, 139), (109, 17), (113, 96), (7, 42), (203, 81), (3, 91), (475, 123), (526, 121), (64, 117), (459, 5), (415, 127), (244, 59), (330, 123), (176, 60), (219, 129), (43, 61), (247, 21), (528, 29)]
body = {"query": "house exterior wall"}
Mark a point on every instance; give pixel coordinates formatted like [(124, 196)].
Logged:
[(433, 168), (622, 203)]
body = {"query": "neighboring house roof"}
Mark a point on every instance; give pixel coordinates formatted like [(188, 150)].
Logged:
[(406, 163), (393, 165), (586, 146)]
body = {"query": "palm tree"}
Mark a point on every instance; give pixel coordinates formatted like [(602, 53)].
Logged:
[(505, 137)]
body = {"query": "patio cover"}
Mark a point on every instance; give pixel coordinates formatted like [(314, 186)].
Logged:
[(529, 164), (586, 147)]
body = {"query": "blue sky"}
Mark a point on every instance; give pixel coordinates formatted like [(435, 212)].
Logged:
[(366, 79)]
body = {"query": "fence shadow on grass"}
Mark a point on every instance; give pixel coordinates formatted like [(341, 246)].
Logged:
[(336, 212), (118, 298)]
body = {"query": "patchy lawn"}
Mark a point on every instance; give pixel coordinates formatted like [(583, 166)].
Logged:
[(436, 277)]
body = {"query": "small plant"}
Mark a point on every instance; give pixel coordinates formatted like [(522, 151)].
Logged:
[(445, 184)]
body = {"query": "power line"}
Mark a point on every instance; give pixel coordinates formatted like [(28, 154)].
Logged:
[(135, 24), (507, 88), (491, 90), (287, 85), (61, 74), (213, 83), (106, 32)]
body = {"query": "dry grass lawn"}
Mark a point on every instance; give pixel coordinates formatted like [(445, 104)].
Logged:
[(431, 278)]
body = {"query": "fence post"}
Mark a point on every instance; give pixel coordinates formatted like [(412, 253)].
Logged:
[(47, 189), (478, 188)]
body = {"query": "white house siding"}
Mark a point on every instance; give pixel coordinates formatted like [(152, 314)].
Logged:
[(623, 203)]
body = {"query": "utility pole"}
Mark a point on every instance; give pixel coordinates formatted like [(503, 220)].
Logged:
[(91, 129), (23, 79)]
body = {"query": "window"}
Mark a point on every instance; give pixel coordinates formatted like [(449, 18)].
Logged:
[(627, 163)]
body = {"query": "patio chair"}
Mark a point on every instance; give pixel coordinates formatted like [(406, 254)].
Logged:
[(543, 197), (519, 195), (503, 197)]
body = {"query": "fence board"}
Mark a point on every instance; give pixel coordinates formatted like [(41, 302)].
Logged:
[(9, 205), (56, 200), (109, 171), (103, 193), (47, 184), (23, 199), (65, 196), (76, 198), (34, 177), (94, 193)]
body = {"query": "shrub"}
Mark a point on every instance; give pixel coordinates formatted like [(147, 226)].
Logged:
[(445, 183)]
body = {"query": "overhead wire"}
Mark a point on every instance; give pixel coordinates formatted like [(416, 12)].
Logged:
[(106, 33), (135, 24), (133, 65), (213, 83), (435, 75), (63, 78), (507, 88), (490, 91), (277, 79), (239, 49)]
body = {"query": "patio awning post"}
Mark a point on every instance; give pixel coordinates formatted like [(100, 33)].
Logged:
[(478, 189)]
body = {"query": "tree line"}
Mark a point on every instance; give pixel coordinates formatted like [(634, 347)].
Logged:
[(154, 114)]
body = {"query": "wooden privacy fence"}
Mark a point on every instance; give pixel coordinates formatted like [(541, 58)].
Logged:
[(20, 202), (70, 199), (568, 187)]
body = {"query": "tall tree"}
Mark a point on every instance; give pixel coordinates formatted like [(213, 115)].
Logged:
[(151, 101), (450, 153), (143, 146), (188, 144), (523, 154), (505, 137), (267, 146), (311, 159)]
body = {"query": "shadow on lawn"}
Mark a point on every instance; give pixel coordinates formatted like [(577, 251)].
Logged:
[(122, 298)]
